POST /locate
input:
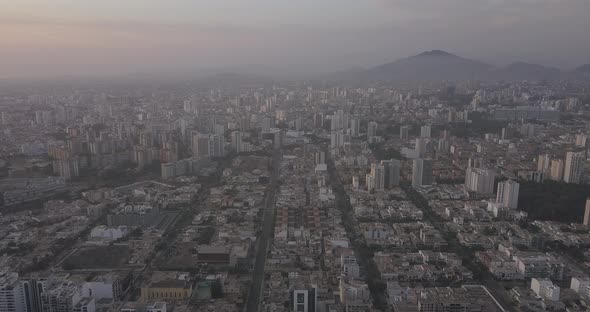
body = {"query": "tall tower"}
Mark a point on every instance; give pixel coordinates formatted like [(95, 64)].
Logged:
[(421, 172), (587, 213), (574, 165), (508, 194)]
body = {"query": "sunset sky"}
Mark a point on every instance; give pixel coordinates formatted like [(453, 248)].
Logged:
[(85, 37)]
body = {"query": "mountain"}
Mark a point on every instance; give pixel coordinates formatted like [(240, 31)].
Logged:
[(526, 71), (430, 65)]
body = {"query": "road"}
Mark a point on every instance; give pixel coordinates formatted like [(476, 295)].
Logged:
[(267, 230)]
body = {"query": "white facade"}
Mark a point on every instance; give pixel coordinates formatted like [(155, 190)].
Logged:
[(110, 233), (480, 181), (545, 289)]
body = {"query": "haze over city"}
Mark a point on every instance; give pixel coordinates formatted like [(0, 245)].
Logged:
[(279, 37), (294, 156)]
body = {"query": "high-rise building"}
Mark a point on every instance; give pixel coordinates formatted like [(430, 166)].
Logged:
[(216, 146), (404, 132), (338, 121), (265, 124), (420, 147), (508, 194), (444, 146), (426, 131), (200, 145), (507, 133), (318, 120), (298, 124), (557, 168), (219, 129), (355, 125), (245, 124), (480, 181), (574, 166), (581, 140), (320, 157), (587, 213), (371, 130), (378, 174), (236, 141), (11, 294), (544, 163), (422, 172), (391, 171)]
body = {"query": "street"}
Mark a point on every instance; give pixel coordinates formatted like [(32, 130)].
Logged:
[(255, 292)]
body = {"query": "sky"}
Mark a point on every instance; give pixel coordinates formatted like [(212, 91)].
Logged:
[(86, 37)]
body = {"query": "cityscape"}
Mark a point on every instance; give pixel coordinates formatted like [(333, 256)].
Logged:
[(433, 183)]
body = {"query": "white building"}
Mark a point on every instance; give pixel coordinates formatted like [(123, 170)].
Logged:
[(480, 181), (545, 289), (109, 233), (580, 285)]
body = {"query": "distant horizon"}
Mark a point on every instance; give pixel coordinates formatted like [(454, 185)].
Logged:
[(260, 70), (61, 37)]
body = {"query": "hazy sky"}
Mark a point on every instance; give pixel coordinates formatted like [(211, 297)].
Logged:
[(42, 37)]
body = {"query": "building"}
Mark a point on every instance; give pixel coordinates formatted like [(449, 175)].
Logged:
[(18, 191), (304, 299), (580, 284), (574, 166), (236, 141), (67, 168), (507, 194), (66, 297), (354, 295), (320, 157), (391, 173), (216, 146), (545, 289), (265, 124), (371, 130), (426, 131), (378, 176), (12, 297), (350, 266), (355, 126), (422, 172), (539, 265), (169, 289), (109, 233), (178, 168), (557, 168), (544, 163), (318, 120), (581, 140), (586, 221), (200, 146), (404, 132), (104, 286), (480, 181), (420, 147)]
